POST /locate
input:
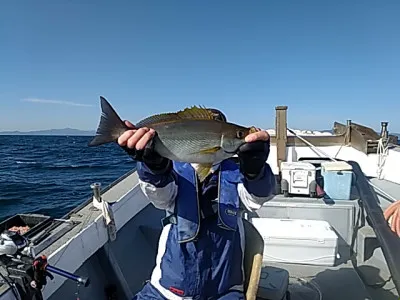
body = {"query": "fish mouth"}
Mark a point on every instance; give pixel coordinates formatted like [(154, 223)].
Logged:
[(231, 152)]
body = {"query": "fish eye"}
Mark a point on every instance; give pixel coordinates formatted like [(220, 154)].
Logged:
[(240, 134)]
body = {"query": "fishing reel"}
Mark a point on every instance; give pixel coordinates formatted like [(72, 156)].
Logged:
[(11, 243), (25, 274)]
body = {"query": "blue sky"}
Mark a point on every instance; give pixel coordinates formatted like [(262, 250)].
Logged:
[(327, 60)]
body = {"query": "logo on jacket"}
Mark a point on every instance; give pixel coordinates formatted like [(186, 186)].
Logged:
[(230, 212)]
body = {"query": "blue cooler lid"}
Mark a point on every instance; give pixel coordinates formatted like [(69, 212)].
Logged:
[(336, 166)]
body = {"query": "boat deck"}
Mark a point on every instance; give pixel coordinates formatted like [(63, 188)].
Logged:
[(391, 188), (327, 283)]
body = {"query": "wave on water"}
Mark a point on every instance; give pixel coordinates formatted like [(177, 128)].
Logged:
[(52, 174), (26, 162)]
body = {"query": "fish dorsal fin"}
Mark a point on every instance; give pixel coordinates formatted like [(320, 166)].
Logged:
[(159, 118), (191, 113), (196, 112)]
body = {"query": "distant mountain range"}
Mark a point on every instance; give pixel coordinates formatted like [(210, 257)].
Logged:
[(77, 132), (64, 131)]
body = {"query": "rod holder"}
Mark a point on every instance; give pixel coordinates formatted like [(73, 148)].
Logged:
[(384, 131), (96, 190), (281, 134), (348, 132)]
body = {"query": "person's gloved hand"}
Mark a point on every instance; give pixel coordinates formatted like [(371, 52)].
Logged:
[(139, 144), (146, 155), (253, 155), (392, 216)]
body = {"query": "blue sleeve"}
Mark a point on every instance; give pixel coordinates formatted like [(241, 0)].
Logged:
[(159, 187), (255, 192)]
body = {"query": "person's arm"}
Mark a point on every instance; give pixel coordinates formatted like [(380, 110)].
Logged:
[(158, 184), (157, 179), (259, 182)]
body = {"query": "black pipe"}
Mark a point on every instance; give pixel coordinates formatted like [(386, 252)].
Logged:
[(388, 240)]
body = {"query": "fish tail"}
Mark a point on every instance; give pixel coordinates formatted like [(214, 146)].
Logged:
[(110, 125)]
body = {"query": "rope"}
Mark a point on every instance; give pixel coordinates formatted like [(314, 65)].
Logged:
[(343, 144), (382, 152), (311, 145)]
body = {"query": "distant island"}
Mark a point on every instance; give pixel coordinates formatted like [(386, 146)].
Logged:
[(78, 132), (64, 131)]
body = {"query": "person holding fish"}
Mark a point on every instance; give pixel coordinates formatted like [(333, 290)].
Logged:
[(185, 168)]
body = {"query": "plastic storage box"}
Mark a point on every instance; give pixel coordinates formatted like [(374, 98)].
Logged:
[(296, 241), (33, 223), (274, 283), (338, 178), (298, 178)]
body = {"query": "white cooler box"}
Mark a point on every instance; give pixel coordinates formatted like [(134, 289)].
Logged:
[(310, 242), (298, 178)]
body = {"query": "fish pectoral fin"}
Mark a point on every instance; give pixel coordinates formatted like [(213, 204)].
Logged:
[(210, 150), (203, 170)]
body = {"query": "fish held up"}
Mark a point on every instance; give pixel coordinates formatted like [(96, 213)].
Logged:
[(192, 135)]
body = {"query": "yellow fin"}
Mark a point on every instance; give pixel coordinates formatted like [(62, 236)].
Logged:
[(210, 150), (156, 119), (195, 112), (203, 170), (191, 113)]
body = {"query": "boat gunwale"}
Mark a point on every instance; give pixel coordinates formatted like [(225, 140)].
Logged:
[(387, 239), (102, 191)]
